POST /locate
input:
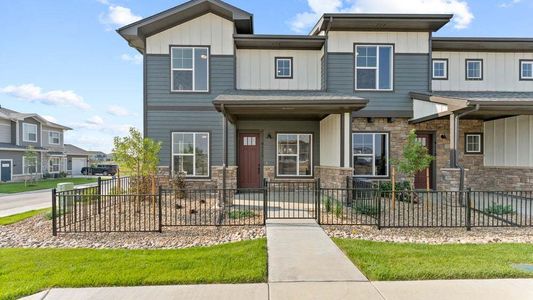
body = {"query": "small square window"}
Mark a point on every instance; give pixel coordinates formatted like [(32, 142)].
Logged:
[(474, 143), (283, 67), (440, 69), (474, 69), (526, 69)]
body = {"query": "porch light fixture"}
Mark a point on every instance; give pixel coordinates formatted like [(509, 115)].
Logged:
[(269, 136), (390, 120), (370, 120), (443, 136)]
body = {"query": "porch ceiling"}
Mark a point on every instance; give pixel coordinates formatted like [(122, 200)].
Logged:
[(295, 105)]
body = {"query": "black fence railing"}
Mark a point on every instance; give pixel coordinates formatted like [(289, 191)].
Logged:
[(102, 209)]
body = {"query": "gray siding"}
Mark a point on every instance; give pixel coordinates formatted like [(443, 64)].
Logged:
[(5, 131), (273, 127), (46, 138), (31, 121), (411, 73), (16, 156), (13, 132)]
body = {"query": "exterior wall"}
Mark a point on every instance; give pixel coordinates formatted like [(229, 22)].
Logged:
[(330, 143), (333, 177), (500, 72), (16, 156), (405, 42), (425, 108), (208, 29), (256, 70), (46, 161), (46, 138), (411, 73), (216, 181), (31, 121), (509, 142), (5, 131)]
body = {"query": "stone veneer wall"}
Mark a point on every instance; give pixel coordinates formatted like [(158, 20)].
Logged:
[(332, 177), (216, 180)]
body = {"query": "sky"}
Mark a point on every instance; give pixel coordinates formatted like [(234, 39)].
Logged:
[(63, 59)]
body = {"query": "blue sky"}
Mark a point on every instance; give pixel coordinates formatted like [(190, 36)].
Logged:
[(64, 60)]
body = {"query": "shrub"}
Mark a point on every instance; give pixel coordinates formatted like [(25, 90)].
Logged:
[(62, 174), (499, 209), (327, 204), (338, 209), (366, 209), (241, 214)]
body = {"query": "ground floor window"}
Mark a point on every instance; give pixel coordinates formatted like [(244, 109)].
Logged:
[(294, 154), (473, 143), (54, 164), (29, 165), (190, 153), (370, 154)]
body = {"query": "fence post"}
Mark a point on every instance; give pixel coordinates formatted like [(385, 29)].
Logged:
[(377, 196), (318, 194), (265, 198), (54, 214), (349, 197), (468, 210), (160, 209), (99, 192)]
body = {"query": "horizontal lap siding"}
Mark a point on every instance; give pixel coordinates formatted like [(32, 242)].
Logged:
[(410, 74)]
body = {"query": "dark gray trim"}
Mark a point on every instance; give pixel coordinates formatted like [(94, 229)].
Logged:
[(350, 163), (342, 160), (467, 60), (430, 57), (480, 141), (354, 49), (276, 58), (179, 108), (383, 113), (447, 68), (482, 44), (209, 80), (268, 41), (145, 93), (520, 61)]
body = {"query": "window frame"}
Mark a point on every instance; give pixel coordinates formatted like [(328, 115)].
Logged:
[(521, 63), (480, 134), (25, 164), (297, 155), (194, 133), (172, 69), (291, 67), (50, 137), (387, 153), (480, 69), (433, 61), (355, 68), (24, 124), (50, 165)]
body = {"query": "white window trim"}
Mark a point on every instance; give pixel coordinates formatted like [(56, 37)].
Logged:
[(50, 137), (290, 67), (24, 165), (480, 69), (297, 155), (194, 153), (372, 155), (445, 76), (172, 69), (480, 144), (59, 164), (374, 68), (522, 63), (24, 132)]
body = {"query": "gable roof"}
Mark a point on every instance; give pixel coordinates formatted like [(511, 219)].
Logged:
[(74, 150), (18, 116), (136, 32)]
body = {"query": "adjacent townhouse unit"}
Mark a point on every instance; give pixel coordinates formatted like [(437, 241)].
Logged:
[(232, 107), (19, 132)]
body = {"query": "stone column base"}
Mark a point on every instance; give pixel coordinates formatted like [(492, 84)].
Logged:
[(215, 182), (333, 177), (450, 179)]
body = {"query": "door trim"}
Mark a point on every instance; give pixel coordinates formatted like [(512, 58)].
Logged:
[(11, 168), (238, 143), (433, 134)]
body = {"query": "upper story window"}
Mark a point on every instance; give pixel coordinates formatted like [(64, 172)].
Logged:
[(526, 69), (190, 69), (374, 67), (29, 132), (54, 137), (283, 67), (474, 69), (440, 69), (190, 153)]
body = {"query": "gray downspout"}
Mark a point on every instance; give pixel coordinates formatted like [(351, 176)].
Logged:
[(455, 161)]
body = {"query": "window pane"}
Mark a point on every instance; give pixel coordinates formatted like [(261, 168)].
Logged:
[(305, 155), (474, 69), (385, 67), (366, 56), (287, 144), (183, 143), (184, 163), (287, 165), (182, 58), (182, 80), (200, 69), (362, 165), (362, 143), (527, 70), (439, 69), (366, 78), (380, 154), (202, 157), (283, 67)]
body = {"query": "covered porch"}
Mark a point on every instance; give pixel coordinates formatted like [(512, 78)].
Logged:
[(288, 136)]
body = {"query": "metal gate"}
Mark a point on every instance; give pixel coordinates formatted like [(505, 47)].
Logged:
[(291, 199)]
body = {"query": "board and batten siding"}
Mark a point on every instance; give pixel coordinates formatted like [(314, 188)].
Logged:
[(330, 143), (5, 131), (404, 42), (256, 70), (209, 30), (509, 142), (500, 72), (424, 108), (411, 73)]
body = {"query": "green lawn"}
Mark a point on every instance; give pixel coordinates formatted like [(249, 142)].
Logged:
[(22, 216), (17, 187), (27, 271), (399, 261)]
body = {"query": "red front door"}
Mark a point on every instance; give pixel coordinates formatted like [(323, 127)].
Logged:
[(249, 171), (424, 179)]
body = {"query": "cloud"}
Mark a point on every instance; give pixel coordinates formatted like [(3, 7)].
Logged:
[(33, 93), (95, 120), (49, 118), (117, 110), (99, 125), (118, 16), (509, 4), (303, 21), (136, 59)]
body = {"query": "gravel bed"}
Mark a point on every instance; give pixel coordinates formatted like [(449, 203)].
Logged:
[(36, 232), (433, 235)]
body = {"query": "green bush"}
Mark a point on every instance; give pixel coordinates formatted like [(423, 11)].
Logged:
[(62, 175), (241, 214), (499, 209), (328, 204), (338, 209), (366, 209)]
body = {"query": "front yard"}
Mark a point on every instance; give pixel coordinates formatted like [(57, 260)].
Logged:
[(18, 187), (27, 271), (403, 261)]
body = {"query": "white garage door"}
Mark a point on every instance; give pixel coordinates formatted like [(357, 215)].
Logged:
[(77, 164)]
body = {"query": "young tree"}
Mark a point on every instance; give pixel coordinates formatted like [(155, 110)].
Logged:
[(30, 158)]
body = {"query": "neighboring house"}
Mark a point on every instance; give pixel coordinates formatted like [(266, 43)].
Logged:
[(18, 131), (77, 158), (96, 157), (232, 106)]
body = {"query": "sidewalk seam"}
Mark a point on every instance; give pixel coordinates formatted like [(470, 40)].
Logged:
[(377, 290), (46, 294)]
